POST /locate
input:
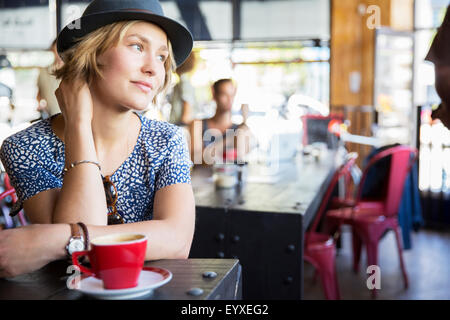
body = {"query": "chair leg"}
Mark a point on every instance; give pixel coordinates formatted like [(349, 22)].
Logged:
[(331, 227), (324, 263), (357, 246), (22, 218), (372, 259), (316, 274), (329, 282), (336, 285), (400, 254)]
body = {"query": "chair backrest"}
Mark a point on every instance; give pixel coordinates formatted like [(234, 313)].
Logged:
[(343, 171), (8, 221), (7, 193), (402, 159), (7, 183), (10, 191)]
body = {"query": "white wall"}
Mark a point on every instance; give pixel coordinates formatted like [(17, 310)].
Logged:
[(285, 19)]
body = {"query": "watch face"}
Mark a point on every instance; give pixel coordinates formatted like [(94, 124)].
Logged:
[(76, 245)]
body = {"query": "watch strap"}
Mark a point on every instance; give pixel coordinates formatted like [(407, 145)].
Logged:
[(75, 235), (75, 230), (86, 235)]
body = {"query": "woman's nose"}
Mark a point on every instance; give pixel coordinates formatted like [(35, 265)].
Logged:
[(149, 66)]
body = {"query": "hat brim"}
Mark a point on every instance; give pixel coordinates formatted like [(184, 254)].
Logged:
[(180, 37)]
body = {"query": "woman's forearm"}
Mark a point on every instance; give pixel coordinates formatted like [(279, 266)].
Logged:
[(82, 196), (164, 240), (26, 249)]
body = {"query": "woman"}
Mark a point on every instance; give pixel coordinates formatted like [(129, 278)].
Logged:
[(99, 162)]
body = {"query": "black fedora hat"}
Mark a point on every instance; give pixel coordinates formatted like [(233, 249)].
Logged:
[(103, 12)]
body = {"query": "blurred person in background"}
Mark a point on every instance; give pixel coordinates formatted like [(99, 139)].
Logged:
[(47, 84), (183, 99), (7, 85), (439, 54), (211, 138)]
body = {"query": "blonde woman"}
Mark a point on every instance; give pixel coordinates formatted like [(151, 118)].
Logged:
[(99, 167)]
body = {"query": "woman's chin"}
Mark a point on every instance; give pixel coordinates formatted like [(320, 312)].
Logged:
[(138, 106)]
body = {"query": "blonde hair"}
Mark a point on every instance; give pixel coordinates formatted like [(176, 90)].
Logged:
[(81, 60), (188, 65)]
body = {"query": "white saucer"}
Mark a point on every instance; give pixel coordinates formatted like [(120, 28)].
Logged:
[(149, 279)]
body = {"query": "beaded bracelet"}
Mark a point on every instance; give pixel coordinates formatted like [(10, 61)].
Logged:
[(73, 164)]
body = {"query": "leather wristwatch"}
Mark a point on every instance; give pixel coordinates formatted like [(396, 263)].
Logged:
[(76, 241)]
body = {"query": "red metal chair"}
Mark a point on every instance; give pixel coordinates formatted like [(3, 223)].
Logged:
[(8, 220), (10, 191), (320, 249), (371, 219), (7, 183)]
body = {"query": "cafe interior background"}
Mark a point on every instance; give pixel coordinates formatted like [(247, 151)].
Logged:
[(359, 58)]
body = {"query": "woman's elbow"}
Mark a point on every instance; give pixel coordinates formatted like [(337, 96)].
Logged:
[(184, 246), (181, 255)]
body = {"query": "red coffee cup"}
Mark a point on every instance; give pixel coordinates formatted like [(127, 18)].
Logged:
[(116, 259)]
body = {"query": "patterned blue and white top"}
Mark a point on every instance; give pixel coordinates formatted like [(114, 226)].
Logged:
[(34, 160)]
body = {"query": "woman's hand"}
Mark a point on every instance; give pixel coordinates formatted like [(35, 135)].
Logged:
[(82, 196), (29, 248), (75, 101)]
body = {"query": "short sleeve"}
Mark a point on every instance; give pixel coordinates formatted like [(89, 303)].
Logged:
[(176, 165), (26, 172)]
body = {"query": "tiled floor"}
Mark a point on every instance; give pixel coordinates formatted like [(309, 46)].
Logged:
[(427, 264)]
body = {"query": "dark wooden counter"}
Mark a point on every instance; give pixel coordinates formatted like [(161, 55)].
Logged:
[(49, 283), (262, 224)]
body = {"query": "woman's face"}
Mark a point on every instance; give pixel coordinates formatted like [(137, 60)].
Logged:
[(134, 69)]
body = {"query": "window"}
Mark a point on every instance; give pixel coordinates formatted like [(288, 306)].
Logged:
[(434, 140)]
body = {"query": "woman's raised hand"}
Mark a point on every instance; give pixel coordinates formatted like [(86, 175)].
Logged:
[(75, 101)]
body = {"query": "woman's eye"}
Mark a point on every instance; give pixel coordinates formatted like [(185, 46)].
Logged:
[(137, 46), (162, 57)]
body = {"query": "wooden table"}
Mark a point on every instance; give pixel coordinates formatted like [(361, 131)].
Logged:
[(49, 283), (262, 224)]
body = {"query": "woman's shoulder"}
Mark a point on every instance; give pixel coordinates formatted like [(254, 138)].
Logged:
[(35, 138), (159, 130)]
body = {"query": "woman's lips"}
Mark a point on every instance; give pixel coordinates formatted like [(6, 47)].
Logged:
[(146, 87)]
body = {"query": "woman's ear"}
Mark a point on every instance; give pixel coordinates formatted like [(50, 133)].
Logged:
[(100, 61)]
